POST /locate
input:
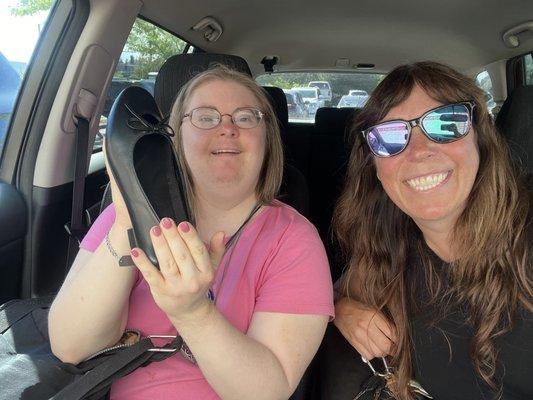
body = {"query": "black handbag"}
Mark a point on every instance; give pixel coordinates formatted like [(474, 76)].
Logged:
[(29, 370), (377, 387)]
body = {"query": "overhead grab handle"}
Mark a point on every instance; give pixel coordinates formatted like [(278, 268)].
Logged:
[(510, 37), (210, 27)]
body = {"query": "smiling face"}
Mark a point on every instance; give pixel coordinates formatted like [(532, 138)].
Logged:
[(224, 161), (429, 181)]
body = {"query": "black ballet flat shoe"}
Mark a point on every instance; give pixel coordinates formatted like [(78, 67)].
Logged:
[(143, 160)]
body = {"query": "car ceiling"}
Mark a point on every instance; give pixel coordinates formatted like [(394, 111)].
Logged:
[(313, 34)]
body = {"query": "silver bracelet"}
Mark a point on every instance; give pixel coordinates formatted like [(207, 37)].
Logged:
[(123, 261)]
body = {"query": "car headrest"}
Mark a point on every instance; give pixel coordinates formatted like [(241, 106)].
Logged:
[(179, 69), (279, 103), (515, 122), (334, 119)]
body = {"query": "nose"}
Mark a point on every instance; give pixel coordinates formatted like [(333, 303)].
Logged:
[(227, 127), (420, 147)]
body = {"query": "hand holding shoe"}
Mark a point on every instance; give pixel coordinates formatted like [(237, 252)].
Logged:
[(187, 269)]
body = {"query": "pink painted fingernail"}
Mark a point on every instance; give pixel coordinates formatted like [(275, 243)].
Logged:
[(184, 227), (167, 223), (156, 231), (135, 253)]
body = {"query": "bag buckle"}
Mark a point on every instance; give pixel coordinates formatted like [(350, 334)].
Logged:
[(388, 376), (162, 349), (387, 372)]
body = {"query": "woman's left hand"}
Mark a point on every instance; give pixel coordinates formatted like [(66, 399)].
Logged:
[(187, 269)]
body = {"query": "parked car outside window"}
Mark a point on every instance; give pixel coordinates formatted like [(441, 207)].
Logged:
[(358, 92), (296, 105), (310, 97), (324, 89), (356, 101)]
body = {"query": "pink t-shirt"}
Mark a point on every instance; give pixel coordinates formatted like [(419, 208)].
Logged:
[(278, 265)]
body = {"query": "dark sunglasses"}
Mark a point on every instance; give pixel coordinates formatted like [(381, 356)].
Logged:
[(443, 124)]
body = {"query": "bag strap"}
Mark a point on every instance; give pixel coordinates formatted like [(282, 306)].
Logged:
[(100, 377), (14, 311)]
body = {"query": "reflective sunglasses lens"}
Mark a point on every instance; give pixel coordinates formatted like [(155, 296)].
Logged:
[(388, 139), (447, 123), (205, 118), (246, 118)]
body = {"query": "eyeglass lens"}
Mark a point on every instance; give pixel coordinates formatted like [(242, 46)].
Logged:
[(442, 125), (208, 118)]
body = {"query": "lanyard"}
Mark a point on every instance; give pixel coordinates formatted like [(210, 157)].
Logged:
[(230, 246)]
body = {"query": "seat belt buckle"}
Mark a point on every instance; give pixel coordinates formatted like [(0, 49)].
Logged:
[(79, 233)]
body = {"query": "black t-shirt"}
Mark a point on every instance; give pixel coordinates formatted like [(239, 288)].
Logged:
[(441, 359)]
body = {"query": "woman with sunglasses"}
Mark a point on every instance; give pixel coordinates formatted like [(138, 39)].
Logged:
[(437, 228), (251, 307)]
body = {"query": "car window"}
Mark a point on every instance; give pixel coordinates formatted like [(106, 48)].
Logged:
[(146, 49), (484, 82), (24, 21), (338, 84)]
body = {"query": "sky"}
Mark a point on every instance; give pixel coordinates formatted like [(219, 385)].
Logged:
[(18, 35)]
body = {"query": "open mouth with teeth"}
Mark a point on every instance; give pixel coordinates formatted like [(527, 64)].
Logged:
[(225, 151), (427, 182)]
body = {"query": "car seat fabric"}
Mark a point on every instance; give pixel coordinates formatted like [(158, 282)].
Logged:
[(334, 120), (179, 69), (294, 189), (515, 122), (330, 151), (279, 102)]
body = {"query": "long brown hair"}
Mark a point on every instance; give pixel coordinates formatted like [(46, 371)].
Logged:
[(491, 277), (272, 169)]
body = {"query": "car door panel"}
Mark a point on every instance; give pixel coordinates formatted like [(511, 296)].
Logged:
[(13, 222)]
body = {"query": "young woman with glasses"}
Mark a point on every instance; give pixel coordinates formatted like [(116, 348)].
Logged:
[(437, 228), (252, 306)]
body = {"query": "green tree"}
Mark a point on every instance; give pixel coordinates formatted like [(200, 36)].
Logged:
[(30, 7), (151, 46)]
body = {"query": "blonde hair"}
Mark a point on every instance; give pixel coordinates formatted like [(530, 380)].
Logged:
[(272, 169), (492, 275)]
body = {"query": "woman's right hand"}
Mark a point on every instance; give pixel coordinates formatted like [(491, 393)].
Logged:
[(122, 217), (366, 329)]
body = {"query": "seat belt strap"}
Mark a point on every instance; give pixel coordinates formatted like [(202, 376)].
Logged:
[(84, 111)]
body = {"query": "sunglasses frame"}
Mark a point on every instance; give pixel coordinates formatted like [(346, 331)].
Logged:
[(258, 113), (470, 105)]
